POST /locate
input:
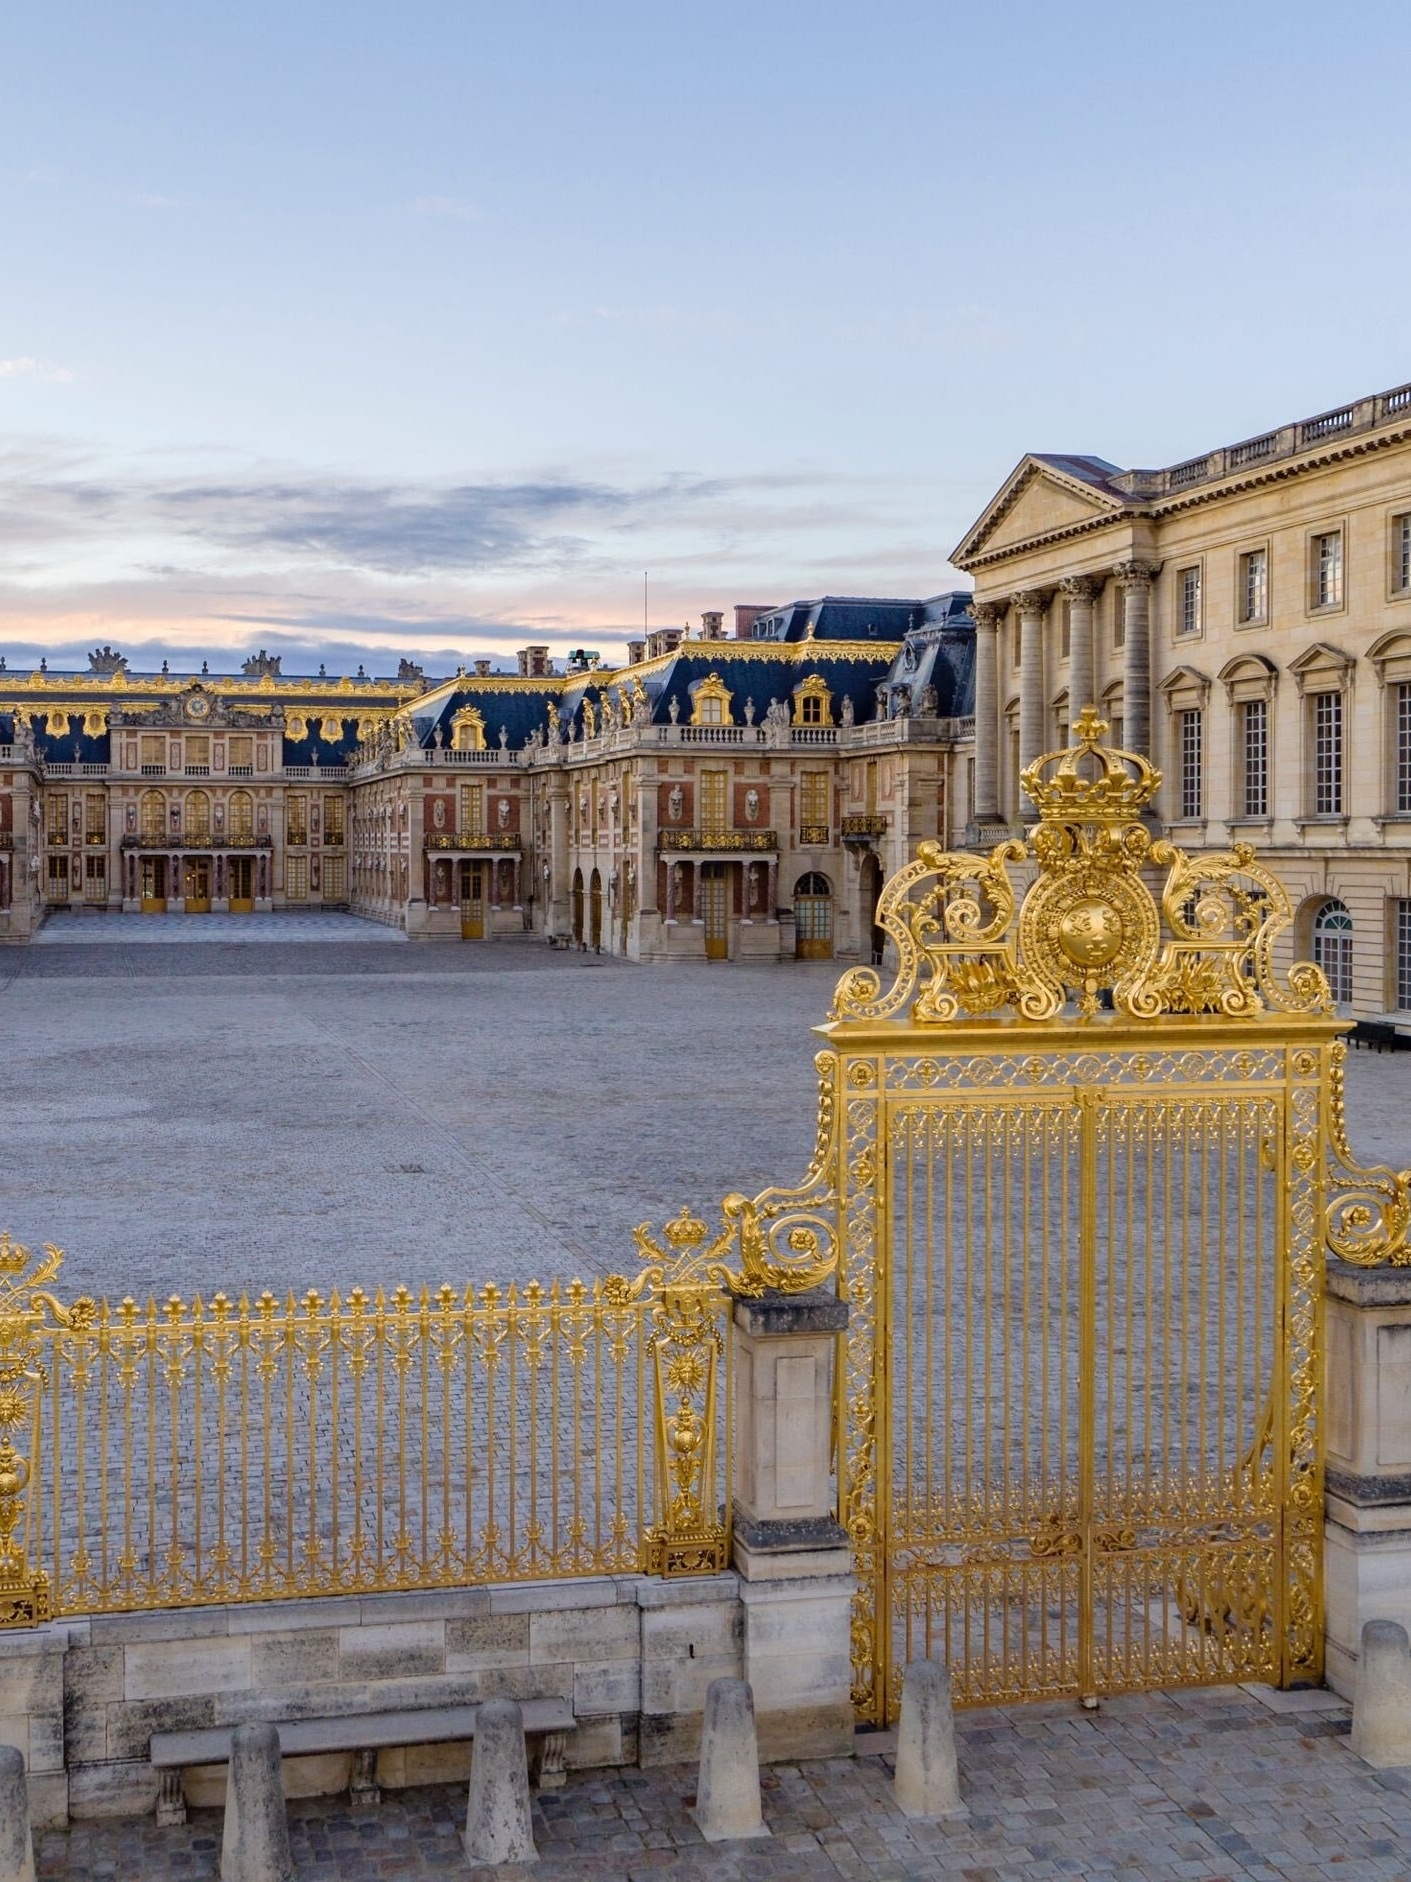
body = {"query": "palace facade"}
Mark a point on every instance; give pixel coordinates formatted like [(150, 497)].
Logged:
[(717, 797), (1244, 617)]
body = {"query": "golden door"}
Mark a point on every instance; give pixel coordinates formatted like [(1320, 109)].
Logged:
[(241, 876), (196, 885), (715, 911), (154, 885), (472, 901)]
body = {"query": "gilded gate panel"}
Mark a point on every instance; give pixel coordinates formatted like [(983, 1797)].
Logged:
[(1080, 1402)]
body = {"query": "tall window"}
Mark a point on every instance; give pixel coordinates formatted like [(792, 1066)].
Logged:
[(1188, 601), (296, 818), (1403, 956), (1327, 754), (240, 816), (95, 818), (1192, 796), (1254, 750), (1327, 569), (813, 801), (810, 709), (334, 884), (1403, 747), (1332, 948), (154, 756), (1254, 585), (242, 756), (473, 810), (198, 817), (154, 817), (198, 753), (56, 817), (714, 785), (332, 823), (296, 878), (1401, 552), (710, 710)]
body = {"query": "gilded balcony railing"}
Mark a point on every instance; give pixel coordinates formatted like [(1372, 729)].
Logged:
[(729, 841), (221, 1451)]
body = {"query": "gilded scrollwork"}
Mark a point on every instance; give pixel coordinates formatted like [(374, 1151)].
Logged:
[(28, 1315), (1368, 1212), (1088, 926)]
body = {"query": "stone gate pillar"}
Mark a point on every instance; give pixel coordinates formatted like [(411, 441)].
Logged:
[(795, 1567), (1367, 1533)]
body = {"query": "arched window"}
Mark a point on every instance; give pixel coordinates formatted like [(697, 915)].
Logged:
[(1332, 948), (240, 817), (154, 817), (198, 817)]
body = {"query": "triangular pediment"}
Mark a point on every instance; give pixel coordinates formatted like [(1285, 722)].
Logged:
[(1038, 500)]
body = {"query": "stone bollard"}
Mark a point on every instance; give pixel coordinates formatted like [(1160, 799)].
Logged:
[(927, 1781), (727, 1792), (255, 1846), (1381, 1708), (16, 1843), (497, 1825)]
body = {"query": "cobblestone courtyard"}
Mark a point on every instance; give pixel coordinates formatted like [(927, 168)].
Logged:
[(1222, 1783), (329, 1109)]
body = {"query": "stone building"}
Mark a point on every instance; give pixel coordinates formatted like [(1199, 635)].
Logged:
[(1244, 617), (718, 798)]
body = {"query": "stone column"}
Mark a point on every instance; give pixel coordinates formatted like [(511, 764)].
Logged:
[(1030, 606), (789, 1550), (697, 896), (1136, 579), (988, 615), (556, 916), (1080, 592), (1367, 1531)]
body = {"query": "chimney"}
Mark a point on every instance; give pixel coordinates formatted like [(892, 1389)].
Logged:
[(746, 614), (482, 669), (534, 663), (713, 625), (636, 652), (663, 640)]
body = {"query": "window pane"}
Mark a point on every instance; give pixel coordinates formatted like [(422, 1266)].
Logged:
[(1256, 757), (1254, 588), (1328, 569), (1327, 754), (1188, 598), (1190, 729), (1403, 956)]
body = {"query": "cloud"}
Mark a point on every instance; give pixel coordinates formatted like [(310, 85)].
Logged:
[(450, 206), (216, 555), (148, 199), (27, 367)]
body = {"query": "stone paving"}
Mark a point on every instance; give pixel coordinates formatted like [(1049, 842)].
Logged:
[(65, 929), (193, 1116), (1224, 1783)]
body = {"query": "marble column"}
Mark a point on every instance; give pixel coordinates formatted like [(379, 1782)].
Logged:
[(1136, 580), (1080, 592), (988, 615), (1029, 604)]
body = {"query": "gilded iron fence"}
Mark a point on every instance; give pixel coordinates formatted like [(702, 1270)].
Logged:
[(259, 1450)]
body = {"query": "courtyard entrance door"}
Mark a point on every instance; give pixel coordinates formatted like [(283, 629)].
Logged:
[(196, 878), (154, 885), (714, 910), (472, 901), (241, 877)]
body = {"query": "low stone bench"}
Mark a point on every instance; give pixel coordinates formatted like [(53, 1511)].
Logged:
[(364, 1734)]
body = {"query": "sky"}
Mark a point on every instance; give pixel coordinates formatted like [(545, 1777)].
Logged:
[(369, 331)]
